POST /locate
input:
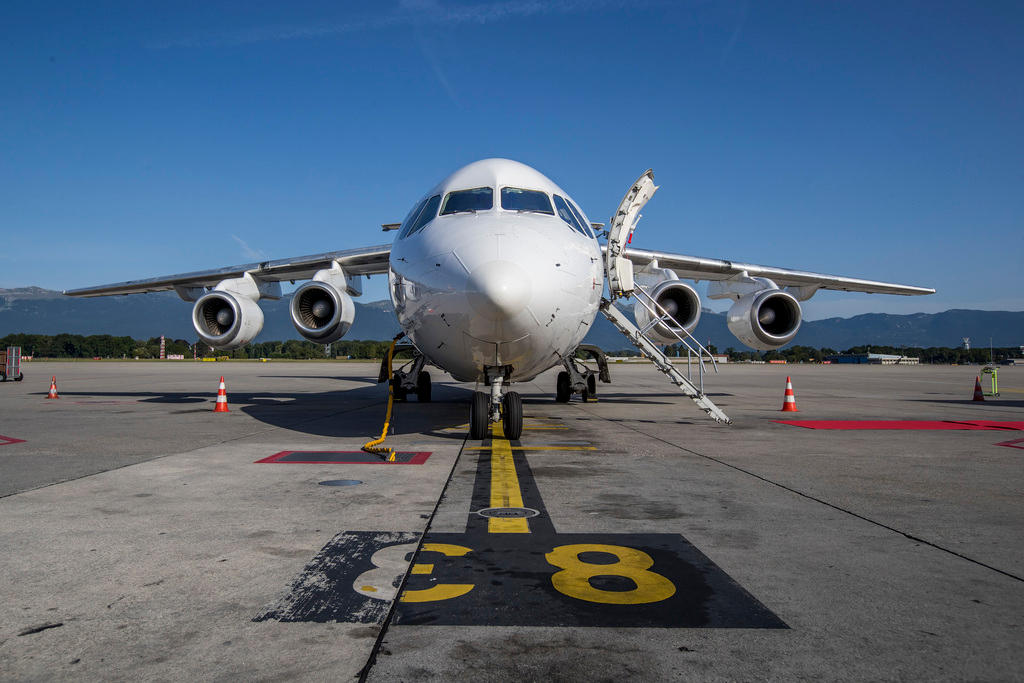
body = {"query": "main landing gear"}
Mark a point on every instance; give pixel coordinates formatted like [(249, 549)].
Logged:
[(409, 379), (507, 408), (577, 378)]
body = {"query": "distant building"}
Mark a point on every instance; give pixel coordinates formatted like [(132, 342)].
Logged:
[(873, 359)]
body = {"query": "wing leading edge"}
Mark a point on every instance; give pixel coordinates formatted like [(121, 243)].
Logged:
[(363, 261), (699, 268)]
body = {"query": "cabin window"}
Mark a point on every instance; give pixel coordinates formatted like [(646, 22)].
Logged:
[(516, 199), (566, 213), (477, 199)]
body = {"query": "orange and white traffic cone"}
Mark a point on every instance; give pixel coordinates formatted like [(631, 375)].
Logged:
[(789, 402), (53, 388), (979, 395), (222, 398)]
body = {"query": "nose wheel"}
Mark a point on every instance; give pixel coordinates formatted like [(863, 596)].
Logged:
[(479, 416), (512, 415), (495, 407)]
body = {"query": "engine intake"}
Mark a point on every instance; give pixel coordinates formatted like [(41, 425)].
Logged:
[(680, 301), (765, 320), (321, 312), (226, 320)]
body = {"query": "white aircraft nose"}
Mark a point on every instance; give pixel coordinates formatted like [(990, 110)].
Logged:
[(499, 290)]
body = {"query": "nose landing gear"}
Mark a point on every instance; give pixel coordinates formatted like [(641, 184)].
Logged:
[(507, 408)]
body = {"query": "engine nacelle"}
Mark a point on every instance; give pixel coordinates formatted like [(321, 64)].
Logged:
[(227, 320), (322, 312), (680, 301), (766, 319)]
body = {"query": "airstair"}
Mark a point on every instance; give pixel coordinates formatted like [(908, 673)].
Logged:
[(619, 274), (662, 362)]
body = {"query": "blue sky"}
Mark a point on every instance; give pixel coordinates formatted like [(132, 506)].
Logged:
[(871, 139)]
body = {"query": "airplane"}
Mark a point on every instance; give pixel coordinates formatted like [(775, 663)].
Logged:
[(496, 275)]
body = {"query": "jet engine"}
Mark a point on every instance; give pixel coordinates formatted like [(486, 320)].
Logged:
[(680, 301), (227, 320), (766, 319), (321, 311)]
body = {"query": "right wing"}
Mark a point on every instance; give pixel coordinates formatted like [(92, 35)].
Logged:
[(364, 261), (700, 268)]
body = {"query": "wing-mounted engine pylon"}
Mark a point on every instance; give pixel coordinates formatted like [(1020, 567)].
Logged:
[(618, 268)]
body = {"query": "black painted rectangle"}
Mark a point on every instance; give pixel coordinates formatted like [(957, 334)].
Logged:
[(326, 589), (512, 585), (346, 458)]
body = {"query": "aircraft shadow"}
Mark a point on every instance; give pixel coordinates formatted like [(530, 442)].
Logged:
[(357, 412), (997, 402)]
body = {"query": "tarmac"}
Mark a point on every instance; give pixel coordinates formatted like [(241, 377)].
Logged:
[(631, 537)]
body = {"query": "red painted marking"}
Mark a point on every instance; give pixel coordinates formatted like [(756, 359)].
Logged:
[(8, 440), (1016, 443), (418, 458), (905, 424)]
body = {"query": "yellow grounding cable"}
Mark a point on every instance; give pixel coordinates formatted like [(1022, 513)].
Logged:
[(374, 446)]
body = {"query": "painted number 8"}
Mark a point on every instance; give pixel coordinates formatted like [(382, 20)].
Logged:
[(574, 579)]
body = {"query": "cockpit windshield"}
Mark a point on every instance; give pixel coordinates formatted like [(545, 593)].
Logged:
[(516, 199), (477, 199), (567, 214)]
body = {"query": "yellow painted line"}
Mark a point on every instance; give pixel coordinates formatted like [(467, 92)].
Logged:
[(505, 492), (538, 448), (422, 568)]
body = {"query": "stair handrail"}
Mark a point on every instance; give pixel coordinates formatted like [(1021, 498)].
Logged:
[(659, 314)]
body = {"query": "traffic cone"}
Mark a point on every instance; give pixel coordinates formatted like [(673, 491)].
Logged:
[(222, 398), (53, 388), (789, 402), (979, 395)]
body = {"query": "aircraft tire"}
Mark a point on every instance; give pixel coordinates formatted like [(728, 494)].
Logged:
[(19, 377), (512, 415), (479, 416), (563, 389), (591, 392), (397, 391), (423, 387)]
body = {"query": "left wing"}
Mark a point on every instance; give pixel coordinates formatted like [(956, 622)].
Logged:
[(699, 268), (364, 261)]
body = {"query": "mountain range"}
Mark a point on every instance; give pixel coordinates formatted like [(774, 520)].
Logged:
[(34, 310)]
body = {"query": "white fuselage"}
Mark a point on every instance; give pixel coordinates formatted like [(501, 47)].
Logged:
[(496, 288)]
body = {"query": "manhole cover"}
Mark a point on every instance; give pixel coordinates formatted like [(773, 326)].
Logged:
[(505, 513), (340, 482)]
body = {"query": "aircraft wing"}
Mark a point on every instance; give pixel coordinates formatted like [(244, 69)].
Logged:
[(699, 268), (364, 261)]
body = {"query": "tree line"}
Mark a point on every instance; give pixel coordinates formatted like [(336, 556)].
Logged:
[(111, 347), (108, 346)]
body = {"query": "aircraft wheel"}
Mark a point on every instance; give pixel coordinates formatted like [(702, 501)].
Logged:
[(423, 387), (479, 416), (512, 415), (591, 391), (563, 389), (19, 378), (397, 391)]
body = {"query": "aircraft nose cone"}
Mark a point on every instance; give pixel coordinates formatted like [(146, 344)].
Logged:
[(499, 290)]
